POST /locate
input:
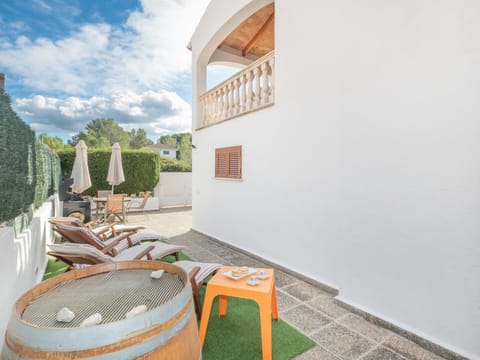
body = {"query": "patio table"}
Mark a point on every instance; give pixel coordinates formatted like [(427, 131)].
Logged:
[(101, 202), (264, 294)]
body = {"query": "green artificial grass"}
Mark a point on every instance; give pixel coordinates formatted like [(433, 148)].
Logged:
[(236, 335), (54, 268)]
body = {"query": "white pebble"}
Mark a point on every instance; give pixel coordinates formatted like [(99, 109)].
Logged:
[(156, 274), (95, 319), (137, 310), (65, 315)]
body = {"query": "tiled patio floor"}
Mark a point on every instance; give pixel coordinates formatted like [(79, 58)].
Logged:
[(339, 334)]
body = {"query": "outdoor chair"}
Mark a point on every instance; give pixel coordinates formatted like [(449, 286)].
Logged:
[(137, 204), (100, 207), (76, 255), (115, 245), (105, 232), (115, 207), (104, 193)]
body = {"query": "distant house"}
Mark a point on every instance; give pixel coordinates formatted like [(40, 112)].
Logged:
[(164, 150)]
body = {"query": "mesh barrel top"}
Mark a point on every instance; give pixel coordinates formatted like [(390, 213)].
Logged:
[(112, 294)]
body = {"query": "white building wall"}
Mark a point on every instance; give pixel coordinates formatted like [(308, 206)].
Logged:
[(172, 154), (23, 259), (384, 203), (174, 189)]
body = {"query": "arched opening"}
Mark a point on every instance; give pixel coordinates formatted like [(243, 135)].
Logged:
[(251, 40), (240, 69)]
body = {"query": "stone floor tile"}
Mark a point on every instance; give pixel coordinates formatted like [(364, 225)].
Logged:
[(283, 279), (238, 259), (325, 304), (409, 349), (304, 318), (226, 252), (244, 260), (204, 256), (342, 342), (256, 263), (190, 247), (364, 327), (304, 291), (316, 353), (382, 353), (285, 301)]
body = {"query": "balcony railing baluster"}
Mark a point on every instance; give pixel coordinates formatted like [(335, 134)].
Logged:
[(249, 90)]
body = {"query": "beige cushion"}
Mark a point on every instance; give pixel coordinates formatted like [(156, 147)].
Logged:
[(206, 269), (159, 251), (80, 249), (135, 238)]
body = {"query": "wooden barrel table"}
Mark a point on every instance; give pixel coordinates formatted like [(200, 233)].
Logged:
[(167, 330)]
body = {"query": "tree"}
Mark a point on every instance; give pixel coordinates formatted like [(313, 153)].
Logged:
[(102, 133), (183, 143), (185, 149), (170, 140), (138, 139), (54, 143)]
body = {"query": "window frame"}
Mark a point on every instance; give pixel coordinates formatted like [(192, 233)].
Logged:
[(228, 153)]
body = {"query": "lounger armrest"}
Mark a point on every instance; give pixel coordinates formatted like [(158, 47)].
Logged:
[(61, 257), (110, 247), (145, 252), (192, 275), (104, 230), (196, 296), (127, 236), (89, 224)]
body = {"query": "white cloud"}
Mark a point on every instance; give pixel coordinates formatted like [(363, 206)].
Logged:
[(43, 5), (70, 65), (158, 112), (147, 51), (100, 70)]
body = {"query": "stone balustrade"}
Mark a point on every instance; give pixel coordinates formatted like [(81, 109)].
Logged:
[(249, 90)]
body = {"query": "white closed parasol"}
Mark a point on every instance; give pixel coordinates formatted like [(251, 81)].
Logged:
[(80, 173), (115, 170)]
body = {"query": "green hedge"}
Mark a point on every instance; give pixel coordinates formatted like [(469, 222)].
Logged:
[(29, 173), (170, 165), (140, 167)]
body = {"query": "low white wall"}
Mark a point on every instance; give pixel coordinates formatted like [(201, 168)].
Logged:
[(152, 204), (23, 259), (174, 189)]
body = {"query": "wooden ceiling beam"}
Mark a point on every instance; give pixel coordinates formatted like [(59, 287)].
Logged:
[(255, 38)]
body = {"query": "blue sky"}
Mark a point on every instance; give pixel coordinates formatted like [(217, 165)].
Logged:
[(68, 62)]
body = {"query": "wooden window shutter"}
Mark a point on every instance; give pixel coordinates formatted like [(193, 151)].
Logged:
[(221, 166), (228, 162)]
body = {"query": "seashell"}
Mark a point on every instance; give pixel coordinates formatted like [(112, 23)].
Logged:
[(137, 310), (95, 319), (156, 274), (65, 315)]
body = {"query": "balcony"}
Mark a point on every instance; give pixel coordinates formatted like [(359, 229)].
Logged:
[(250, 90)]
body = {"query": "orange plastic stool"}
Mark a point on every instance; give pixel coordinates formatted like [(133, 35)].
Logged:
[(264, 294)]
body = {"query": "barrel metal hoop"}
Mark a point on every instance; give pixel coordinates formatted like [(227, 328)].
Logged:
[(26, 352)]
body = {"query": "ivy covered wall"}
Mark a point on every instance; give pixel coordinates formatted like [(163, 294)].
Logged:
[(29, 172)]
